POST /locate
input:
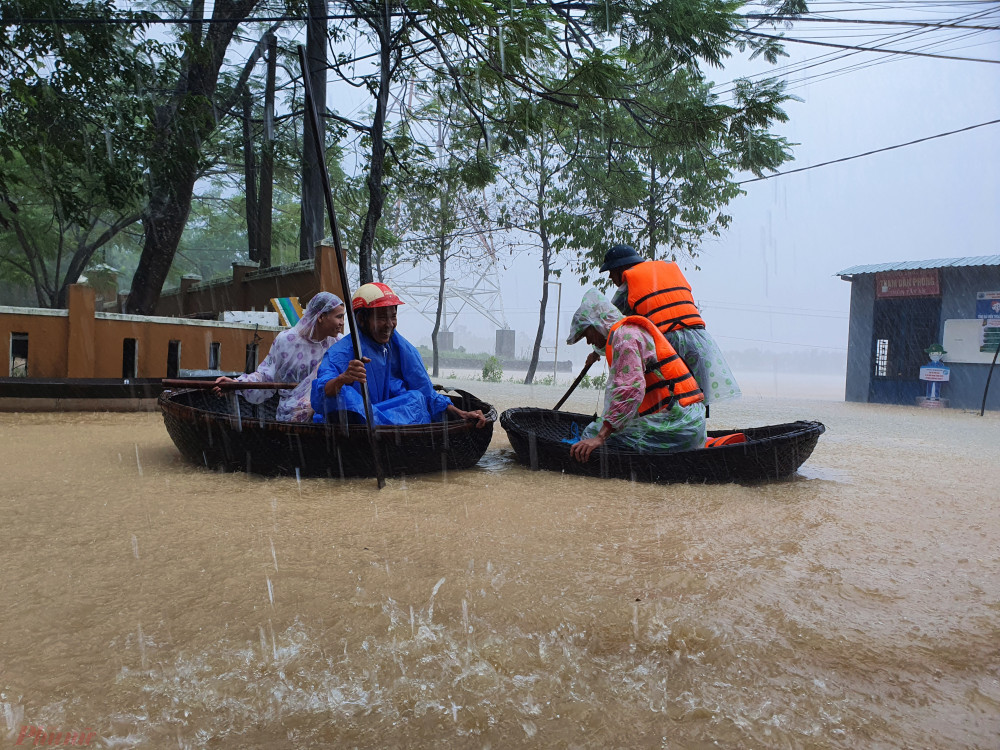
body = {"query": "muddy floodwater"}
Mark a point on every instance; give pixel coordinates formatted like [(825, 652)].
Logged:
[(156, 604)]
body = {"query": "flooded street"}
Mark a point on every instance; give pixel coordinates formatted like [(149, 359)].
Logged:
[(161, 605)]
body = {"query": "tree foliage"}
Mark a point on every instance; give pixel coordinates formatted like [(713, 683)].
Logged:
[(613, 97), (70, 156)]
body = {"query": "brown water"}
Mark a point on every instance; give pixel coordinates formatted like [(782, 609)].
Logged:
[(856, 605)]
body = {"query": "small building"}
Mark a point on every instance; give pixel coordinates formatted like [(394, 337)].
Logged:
[(898, 310)]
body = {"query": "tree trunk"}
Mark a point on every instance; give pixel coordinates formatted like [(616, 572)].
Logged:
[(313, 206), (179, 128), (442, 278), (163, 222), (267, 156), (250, 180), (651, 213), (376, 196), (85, 251), (36, 265), (546, 265)]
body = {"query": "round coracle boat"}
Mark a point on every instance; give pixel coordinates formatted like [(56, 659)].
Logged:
[(226, 432), (541, 440)]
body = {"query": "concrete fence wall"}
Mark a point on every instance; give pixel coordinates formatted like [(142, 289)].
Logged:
[(252, 289), (82, 343)]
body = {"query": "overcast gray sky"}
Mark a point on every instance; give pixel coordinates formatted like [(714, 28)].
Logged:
[(769, 282)]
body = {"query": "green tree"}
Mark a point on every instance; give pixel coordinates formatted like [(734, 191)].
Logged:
[(533, 197), (439, 203), (664, 190), (42, 247), (183, 120), (70, 172), (646, 155)]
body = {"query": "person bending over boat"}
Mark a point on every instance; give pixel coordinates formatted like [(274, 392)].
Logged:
[(656, 289), (651, 403), (398, 385), (294, 356)]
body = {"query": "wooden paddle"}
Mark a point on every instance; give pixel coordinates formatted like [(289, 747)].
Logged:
[(575, 384), (234, 386), (313, 115)]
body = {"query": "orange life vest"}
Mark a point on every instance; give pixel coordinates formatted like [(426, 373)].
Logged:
[(731, 439), (668, 379), (658, 290)]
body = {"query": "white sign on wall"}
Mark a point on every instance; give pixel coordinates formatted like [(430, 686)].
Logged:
[(963, 340), (260, 317)]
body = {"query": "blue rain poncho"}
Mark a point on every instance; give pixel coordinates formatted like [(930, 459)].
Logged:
[(400, 390)]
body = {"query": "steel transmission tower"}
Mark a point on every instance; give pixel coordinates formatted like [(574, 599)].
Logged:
[(480, 292)]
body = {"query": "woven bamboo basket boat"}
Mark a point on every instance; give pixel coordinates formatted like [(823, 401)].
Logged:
[(232, 434), (771, 452)]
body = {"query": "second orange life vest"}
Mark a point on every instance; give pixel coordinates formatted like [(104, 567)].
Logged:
[(658, 290), (668, 379)]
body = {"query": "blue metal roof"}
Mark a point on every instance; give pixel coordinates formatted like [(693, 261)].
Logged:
[(919, 265)]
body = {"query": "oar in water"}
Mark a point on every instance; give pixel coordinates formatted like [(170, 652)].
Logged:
[(226, 386), (575, 383)]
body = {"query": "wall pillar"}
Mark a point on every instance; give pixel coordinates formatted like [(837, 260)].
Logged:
[(81, 339), (187, 282), (505, 343), (327, 270), (238, 297)]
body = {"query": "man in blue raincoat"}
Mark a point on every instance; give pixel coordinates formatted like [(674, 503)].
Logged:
[(400, 390)]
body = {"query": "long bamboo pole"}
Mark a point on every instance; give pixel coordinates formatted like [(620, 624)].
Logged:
[(575, 384), (310, 111), (233, 386)]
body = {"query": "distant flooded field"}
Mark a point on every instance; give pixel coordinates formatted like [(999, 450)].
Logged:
[(157, 604)]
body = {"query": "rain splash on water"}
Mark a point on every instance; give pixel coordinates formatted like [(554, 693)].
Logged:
[(855, 605)]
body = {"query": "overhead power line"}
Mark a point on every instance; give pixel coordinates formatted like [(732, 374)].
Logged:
[(881, 50), (149, 20), (869, 153), (853, 21)]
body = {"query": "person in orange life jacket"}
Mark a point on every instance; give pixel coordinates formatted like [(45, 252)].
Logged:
[(651, 403), (657, 290), (398, 385)]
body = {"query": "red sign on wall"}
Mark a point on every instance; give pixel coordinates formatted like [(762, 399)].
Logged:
[(923, 283)]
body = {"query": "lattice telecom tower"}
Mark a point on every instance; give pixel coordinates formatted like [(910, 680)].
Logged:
[(482, 295)]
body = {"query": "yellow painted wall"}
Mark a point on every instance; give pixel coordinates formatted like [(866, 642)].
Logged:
[(51, 347), (46, 343)]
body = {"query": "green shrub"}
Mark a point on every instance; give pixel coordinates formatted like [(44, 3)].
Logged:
[(492, 370)]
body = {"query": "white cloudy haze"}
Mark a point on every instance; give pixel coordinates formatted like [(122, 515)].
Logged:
[(769, 281)]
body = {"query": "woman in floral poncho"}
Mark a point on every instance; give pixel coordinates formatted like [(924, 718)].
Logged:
[(678, 428), (294, 356)]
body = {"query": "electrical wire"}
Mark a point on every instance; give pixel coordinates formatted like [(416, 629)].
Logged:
[(833, 57), (869, 153), (867, 49)]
